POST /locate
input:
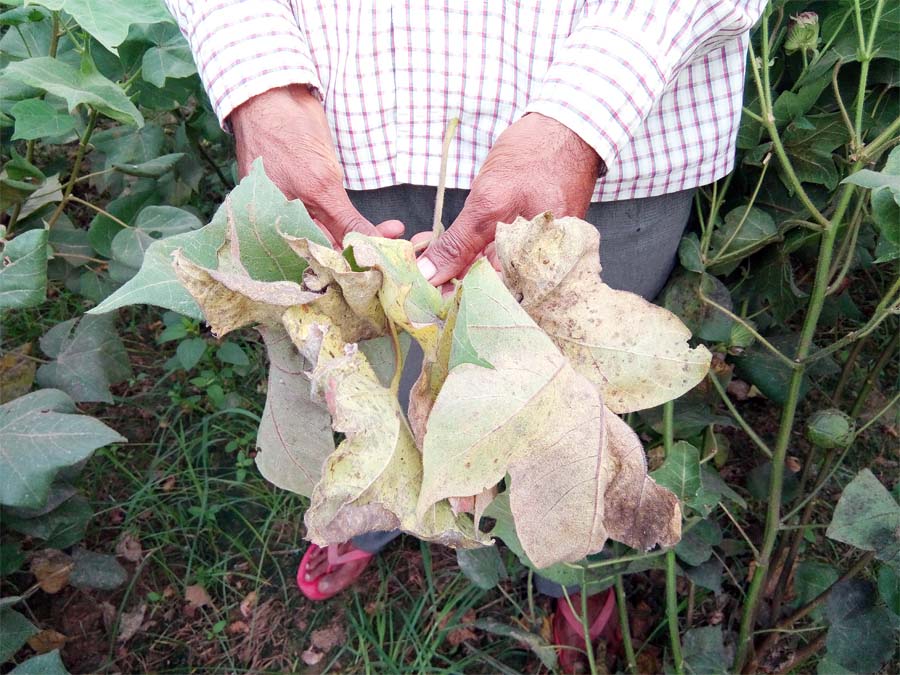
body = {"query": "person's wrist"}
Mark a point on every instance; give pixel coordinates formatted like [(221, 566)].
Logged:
[(563, 137)]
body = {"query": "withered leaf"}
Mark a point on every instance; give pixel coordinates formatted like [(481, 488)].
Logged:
[(636, 352)]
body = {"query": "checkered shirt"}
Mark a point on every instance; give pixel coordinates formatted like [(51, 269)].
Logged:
[(654, 86)]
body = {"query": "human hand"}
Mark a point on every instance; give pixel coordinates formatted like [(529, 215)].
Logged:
[(536, 165), (287, 128)]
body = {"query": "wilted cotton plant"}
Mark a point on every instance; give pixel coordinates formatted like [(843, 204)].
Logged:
[(523, 393)]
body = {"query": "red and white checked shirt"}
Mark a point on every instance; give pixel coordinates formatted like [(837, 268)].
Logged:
[(654, 86)]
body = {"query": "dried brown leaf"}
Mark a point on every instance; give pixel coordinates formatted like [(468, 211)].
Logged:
[(130, 623), (46, 641), (52, 568), (129, 548)]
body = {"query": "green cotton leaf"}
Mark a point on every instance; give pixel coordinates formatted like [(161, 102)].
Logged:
[(860, 636), (790, 105), (811, 579), (35, 118), (44, 664), (408, 299), (294, 437), (190, 351), (19, 15), (108, 22), (681, 296), (696, 546), (103, 229), (772, 284), (545, 652), (169, 59), (153, 223), (575, 468), (482, 566), (15, 630), (154, 168), (23, 274), (868, 517), (231, 353), (41, 435), (88, 356), (125, 145), (889, 588), (689, 253), (745, 230), (77, 87), (874, 180), (704, 653), (59, 527), (70, 243), (259, 211), (680, 472), (636, 353), (886, 214), (707, 575)]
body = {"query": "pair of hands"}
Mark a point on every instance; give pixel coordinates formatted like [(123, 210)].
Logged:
[(536, 165)]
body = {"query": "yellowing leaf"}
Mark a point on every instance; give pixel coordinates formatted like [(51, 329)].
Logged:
[(372, 480), (358, 289), (635, 352), (531, 416), (406, 296)]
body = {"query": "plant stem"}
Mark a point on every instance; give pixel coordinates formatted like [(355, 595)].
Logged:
[(672, 613), (887, 353), (398, 358), (887, 306), (786, 425), (76, 166), (437, 226), (847, 371), (668, 426), (760, 443), (817, 601), (804, 653), (746, 324), (724, 247), (885, 138), (102, 212), (625, 625)]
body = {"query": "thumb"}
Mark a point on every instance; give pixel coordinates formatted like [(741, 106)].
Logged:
[(451, 254)]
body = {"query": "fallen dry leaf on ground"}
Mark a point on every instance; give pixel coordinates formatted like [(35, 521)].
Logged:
[(46, 641), (130, 623), (52, 568)]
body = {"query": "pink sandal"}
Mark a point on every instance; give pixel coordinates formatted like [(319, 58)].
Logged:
[(311, 588), (568, 630)]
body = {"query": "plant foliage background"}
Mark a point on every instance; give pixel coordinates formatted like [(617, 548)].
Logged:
[(137, 533)]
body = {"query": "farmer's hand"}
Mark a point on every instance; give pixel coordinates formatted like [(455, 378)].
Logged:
[(287, 128), (536, 165)]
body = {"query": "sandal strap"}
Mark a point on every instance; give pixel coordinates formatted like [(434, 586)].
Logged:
[(335, 559), (598, 624)]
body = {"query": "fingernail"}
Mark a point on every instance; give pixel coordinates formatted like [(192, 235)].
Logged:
[(427, 268), (307, 576)]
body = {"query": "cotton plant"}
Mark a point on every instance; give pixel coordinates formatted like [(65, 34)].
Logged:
[(524, 377)]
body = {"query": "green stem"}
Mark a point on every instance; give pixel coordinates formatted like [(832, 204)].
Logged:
[(887, 353), (786, 425), (625, 625), (889, 305), (672, 613), (668, 426), (760, 443), (102, 212), (76, 166), (762, 85), (437, 226), (847, 371), (865, 57), (29, 146), (885, 138), (745, 216)]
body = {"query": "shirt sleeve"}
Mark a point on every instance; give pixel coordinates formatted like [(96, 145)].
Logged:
[(612, 68), (243, 48)]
